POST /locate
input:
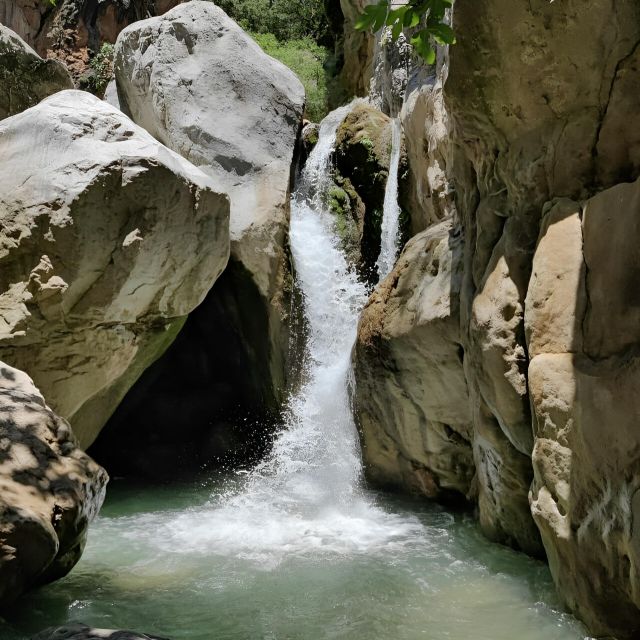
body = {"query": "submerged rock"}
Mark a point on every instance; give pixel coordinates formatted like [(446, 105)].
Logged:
[(83, 632), (108, 241), (25, 78), (49, 489), (204, 88)]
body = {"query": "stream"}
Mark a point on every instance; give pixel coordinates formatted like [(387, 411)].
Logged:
[(299, 548)]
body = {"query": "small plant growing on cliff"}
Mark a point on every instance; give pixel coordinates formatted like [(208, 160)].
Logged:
[(428, 14), (102, 67)]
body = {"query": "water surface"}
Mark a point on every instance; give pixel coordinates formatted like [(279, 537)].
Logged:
[(149, 567)]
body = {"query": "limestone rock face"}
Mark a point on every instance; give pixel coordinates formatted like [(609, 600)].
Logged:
[(25, 78), (525, 131), (429, 192), (108, 241), (584, 378), (358, 48), (411, 395), (203, 87), (49, 489), (531, 145)]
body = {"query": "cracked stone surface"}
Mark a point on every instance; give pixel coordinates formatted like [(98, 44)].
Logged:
[(49, 489), (110, 240)]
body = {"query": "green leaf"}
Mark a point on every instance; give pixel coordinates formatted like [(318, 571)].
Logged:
[(411, 18), (396, 30), (379, 23), (422, 46), (442, 33)]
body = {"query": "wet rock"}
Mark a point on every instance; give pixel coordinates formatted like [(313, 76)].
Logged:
[(25, 78), (363, 153), (49, 489), (108, 241)]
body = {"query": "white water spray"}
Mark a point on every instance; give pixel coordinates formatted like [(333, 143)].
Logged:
[(306, 496), (390, 235)]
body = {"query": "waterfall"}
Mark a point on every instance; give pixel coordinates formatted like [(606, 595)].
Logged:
[(307, 495), (390, 235), (316, 457)]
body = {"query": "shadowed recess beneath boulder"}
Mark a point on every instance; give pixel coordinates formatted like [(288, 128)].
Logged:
[(208, 402)]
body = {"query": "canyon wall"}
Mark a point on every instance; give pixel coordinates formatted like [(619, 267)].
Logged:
[(512, 341), (73, 31)]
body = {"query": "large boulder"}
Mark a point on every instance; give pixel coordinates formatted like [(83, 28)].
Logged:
[(204, 88), (583, 335), (109, 240), (25, 78), (49, 489), (411, 396)]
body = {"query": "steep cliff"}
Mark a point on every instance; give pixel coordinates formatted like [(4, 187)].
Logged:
[(526, 140)]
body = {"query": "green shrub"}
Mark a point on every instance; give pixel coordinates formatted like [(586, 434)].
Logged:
[(313, 64), (102, 66), (285, 19)]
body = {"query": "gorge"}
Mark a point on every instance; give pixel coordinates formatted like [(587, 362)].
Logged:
[(364, 378)]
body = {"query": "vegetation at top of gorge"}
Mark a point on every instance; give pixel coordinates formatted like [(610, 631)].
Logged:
[(285, 19), (302, 34), (430, 15), (313, 63)]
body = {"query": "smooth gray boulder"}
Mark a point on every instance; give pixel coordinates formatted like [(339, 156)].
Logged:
[(25, 78), (49, 489), (108, 241), (198, 83)]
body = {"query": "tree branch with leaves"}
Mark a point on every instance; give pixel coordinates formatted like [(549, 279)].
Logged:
[(429, 15)]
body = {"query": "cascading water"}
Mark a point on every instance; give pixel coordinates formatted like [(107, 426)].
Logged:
[(307, 493), (300, 550), (390, 234)]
